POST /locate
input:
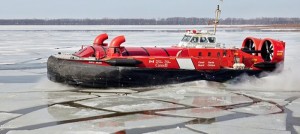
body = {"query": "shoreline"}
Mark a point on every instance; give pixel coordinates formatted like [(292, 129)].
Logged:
[(267, 28)]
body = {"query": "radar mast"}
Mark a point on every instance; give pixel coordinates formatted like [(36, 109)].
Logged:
[(216, 22)]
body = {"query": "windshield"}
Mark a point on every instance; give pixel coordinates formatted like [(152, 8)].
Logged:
[(186, 38), (211, 39), (203, 40), (194, 40)]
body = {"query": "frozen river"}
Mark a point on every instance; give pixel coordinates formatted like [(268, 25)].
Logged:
[(30, 103)]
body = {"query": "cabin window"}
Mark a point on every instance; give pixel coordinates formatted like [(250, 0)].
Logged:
[(200, 54), (225, 54), (211, 39), (195, 40), (186, 38), (203, 40), (209, 54)]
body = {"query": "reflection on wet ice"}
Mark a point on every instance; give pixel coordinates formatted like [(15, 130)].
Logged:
[(263, 124), (205, 101), (271, 96), (53, 113), (195, 97), (18, 101), (272, 121), (171, 106), (126, 104), (109, 125), (223, 129), (259, 108), (202, 113), (174, 131)]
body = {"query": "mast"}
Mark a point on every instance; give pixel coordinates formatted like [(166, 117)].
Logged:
[(218, 12)]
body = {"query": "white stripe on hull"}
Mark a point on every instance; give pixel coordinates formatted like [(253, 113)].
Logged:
[(185, 63)]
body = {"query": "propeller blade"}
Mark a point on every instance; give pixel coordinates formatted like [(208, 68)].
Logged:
[(253, 47), (266, 46), (271, 49)]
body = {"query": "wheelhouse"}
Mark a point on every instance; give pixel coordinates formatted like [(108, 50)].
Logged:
[(198, 39)]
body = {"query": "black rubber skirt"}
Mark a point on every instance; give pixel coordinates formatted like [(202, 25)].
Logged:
[(90, 75)]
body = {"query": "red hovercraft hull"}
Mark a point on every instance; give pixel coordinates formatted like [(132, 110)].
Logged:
[(102, 65)]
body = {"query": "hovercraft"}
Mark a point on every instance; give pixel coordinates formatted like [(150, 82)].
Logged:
[(198, 56)]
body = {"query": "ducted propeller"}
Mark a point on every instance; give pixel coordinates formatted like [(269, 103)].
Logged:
[(267, 51), (250, 45)]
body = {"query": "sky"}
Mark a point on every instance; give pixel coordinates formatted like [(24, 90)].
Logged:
[(97, 9)]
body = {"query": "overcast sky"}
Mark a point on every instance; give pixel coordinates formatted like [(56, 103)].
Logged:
[(97, 9)]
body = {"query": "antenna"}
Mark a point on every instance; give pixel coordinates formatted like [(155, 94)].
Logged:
[(218, 12)]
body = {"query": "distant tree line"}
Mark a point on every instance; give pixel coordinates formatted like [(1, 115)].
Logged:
[(166, 21)]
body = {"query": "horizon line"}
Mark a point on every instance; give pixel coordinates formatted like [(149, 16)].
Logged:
[(143, 18)]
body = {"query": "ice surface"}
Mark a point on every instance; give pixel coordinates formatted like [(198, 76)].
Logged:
[(297, 129), (110, 125), (297, 101), (203, 113), (195, 96), (53, 113), (59, 97), (271, 95), (13, 87), (20, 76), (127, 91), (272, 121), (174, 131), (126, 104), (295, 108), (105, 94), (207, 101), (22, 72), (24, 48), (20, 79), (43, 85), (17, 101), (259, 108), (280, 102), (56, 132), (197, 88), (280, 97), (7, 116), (221, 129)]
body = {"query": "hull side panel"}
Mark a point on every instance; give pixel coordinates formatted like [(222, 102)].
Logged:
[(90, 75)]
